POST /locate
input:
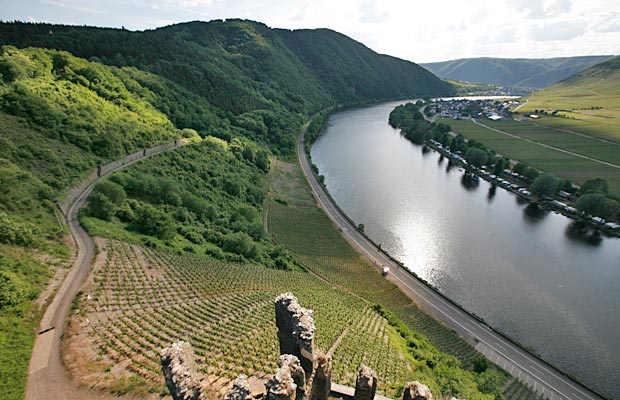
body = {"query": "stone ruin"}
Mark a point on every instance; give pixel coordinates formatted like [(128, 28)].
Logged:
[(177, 362), (416, 391), (303, 373)]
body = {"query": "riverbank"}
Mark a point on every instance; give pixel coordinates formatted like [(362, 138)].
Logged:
[(419, 214)]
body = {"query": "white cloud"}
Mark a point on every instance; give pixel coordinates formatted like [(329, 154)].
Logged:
[(563, 30), (539, 9), (370, 13), (607, 22)]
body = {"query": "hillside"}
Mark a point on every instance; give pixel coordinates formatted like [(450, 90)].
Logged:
[(73, 98), (587, 102), (519, 72), (242, 66)]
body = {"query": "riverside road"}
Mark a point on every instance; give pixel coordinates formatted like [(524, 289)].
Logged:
[(520, 363)]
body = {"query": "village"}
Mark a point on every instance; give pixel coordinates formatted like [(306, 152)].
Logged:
[(492, 109)]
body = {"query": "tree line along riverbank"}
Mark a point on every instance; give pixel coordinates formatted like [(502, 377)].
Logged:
[(588, 204)]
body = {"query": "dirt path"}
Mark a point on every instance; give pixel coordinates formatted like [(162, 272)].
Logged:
[(47, 376)]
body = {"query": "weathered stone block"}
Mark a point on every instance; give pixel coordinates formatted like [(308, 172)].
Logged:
[(416, 391), (366, 384), (281, 386), (240, 389), (321, 386), (180, 372)]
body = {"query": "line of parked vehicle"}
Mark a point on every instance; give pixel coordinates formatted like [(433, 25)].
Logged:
[(547, 202)]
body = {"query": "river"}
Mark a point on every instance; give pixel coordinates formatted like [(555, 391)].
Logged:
[(529, 273)]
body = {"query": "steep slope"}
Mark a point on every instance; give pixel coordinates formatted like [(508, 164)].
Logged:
[(524, 72)]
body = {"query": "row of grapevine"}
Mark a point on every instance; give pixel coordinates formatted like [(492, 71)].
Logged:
[(139, 300)]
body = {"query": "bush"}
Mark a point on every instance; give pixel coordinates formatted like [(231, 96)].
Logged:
[(100, 206), (239, 243), (154, 222), (15, 233), (114, 192)]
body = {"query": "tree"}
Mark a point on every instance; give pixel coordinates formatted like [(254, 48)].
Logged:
[(566, 186), (519, 168), (476, 157), (500, 165), (114, 192), (545, 185), (590, 203), (609, 209), (154, 222), (531, 173), (594, 185), (100, 206)]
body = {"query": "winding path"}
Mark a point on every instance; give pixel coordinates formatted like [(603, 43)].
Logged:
[(520, 363), (47, 376)]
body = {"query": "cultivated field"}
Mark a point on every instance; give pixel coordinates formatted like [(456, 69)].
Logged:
[(138, 301), (548, 149)]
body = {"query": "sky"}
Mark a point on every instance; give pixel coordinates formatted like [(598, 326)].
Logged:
[(415, 30)]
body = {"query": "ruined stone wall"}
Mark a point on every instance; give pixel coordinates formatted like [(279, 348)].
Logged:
[(303, 373)]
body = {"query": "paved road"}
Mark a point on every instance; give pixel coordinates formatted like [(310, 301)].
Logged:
[(514, 359), (47, 376)]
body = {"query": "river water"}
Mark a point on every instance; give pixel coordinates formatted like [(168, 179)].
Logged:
[(529, 273)]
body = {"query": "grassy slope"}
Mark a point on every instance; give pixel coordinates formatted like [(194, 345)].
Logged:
[(45, 148), (590, 100)]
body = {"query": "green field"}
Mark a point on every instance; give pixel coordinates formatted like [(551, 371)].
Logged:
[(564, 165), (590, 101)]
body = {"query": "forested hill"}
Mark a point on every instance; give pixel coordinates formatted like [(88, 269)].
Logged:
[(520, 72), (241, 65)]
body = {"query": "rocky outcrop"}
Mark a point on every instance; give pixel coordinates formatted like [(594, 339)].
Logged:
[(366, 384), (282, 386), (297, 372), (416, 391), (180, 372), (295, 330), (322, 383), (240, 389)]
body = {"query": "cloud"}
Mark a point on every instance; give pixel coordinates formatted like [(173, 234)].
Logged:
[(83, 6), (370, 14), (185, 3), (557, 31), (607, 22), (537, 9), (503, 36), (301, 15)]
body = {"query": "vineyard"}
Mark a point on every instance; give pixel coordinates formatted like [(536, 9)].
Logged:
[(139, 300)]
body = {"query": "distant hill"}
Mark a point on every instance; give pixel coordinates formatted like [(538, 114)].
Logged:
[(519, 72), (590, 97)]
